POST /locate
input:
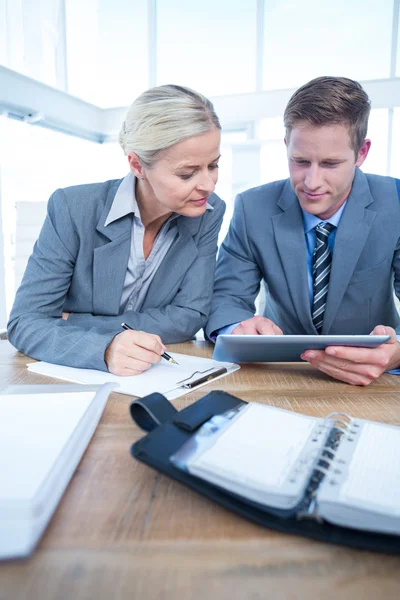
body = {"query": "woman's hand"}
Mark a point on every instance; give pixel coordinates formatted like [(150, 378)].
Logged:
[(132, 352)]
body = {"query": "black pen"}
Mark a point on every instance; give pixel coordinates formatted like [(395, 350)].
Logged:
[(163, 355)]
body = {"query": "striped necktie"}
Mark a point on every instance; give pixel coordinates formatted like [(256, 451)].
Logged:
[(322, 260)]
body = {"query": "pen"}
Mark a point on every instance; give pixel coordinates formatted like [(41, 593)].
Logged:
[(163, 355)]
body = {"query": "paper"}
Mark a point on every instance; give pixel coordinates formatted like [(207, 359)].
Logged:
[(371, 478), (260, 447), (42, 438), (164, 377), (34, 429)]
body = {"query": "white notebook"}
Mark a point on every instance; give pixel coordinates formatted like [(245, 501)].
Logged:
[(44, 431), (171, 380), (339, 469)]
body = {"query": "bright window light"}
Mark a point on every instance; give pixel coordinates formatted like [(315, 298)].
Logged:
[(208, 46), (307, 39)]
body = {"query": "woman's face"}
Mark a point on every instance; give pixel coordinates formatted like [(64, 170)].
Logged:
[(184, 176)]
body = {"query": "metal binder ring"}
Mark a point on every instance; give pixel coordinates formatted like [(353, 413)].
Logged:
[(346, 422)]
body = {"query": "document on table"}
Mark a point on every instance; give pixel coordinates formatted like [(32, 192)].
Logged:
[(166, 378), (43, 435)]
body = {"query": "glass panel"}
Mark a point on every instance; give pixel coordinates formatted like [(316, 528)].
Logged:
[(273, 161), (376, 161), (54, 161), (30, 38), (398, 52), (209, 46), (224, 186), (233, 136), (307, 39), (395, 158), (107, 50), (271, 129)]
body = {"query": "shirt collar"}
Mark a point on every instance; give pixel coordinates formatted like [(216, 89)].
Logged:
[(311, 221), (125, 203)]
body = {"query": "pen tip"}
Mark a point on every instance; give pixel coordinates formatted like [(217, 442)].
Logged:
[(173, 361)]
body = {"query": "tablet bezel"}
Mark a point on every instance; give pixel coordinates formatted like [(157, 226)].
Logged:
[(285, 348)]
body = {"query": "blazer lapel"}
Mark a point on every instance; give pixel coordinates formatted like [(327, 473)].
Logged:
[(290, 240), (175, 264), (110, 261), (351, 236)]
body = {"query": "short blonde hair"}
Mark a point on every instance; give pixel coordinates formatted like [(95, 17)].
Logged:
[(163, 116)]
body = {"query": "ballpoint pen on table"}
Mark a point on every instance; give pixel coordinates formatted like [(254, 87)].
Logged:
[(163, 355)]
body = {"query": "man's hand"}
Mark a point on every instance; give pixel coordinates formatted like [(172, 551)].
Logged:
[(132, 352), (257, 326), (357, 366)]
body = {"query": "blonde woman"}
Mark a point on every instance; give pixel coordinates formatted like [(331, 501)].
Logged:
[(140, 250)]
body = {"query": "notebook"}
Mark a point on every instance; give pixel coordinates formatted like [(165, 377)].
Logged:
[(171, 380), (337, 469), (44, 431)]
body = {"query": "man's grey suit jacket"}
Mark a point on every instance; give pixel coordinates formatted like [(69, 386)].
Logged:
[(78, 266), (266, 241)]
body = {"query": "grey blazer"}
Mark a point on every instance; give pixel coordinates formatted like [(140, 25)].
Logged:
[(266, 241), (79, 266)]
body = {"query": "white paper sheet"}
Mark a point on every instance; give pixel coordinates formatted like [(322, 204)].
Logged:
[(163, 377), (34, 429)]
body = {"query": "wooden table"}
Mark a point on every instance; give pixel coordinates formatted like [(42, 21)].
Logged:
[(124, 531)]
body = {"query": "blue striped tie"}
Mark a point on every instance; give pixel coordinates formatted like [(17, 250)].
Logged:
[(322, 261)]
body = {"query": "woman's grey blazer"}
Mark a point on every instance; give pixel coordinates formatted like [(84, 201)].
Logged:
[(79, 266)]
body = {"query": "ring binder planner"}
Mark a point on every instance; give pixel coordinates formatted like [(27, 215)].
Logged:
[(332, 479)]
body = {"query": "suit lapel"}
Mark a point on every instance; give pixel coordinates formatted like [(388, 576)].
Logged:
[(110, 261), (351, 236), (175, 264), (290, 240)]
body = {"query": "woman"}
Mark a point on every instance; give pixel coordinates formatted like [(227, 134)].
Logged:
[(139, 250)]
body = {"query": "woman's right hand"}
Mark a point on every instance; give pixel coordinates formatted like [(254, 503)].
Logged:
[(132, 352)]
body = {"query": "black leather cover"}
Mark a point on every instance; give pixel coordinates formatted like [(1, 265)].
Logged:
[(169, 430)]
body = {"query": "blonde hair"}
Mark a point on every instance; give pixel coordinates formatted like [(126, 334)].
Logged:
[(330, 100), (163, 116)]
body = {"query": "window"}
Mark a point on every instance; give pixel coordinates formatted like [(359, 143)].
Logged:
[(395, 158), (107, 50), (307, 39), (376, 161), (208, 46), (30, 40), (33, 163)]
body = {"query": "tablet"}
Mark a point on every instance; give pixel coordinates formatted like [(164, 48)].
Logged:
[(284, 348)]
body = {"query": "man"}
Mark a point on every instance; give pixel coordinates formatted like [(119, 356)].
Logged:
[(326, 242)]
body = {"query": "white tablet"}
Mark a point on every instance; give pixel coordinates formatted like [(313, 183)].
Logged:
[(284, 348)]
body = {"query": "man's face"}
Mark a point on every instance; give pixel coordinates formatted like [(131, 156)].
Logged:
[(322, 166)]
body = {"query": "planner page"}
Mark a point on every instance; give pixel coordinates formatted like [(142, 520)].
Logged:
[(364, 489), (264, 455)]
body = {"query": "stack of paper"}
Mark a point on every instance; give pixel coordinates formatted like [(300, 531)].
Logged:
[(42, 439)]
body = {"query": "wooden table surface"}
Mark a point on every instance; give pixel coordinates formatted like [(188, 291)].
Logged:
[(122, 530)]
